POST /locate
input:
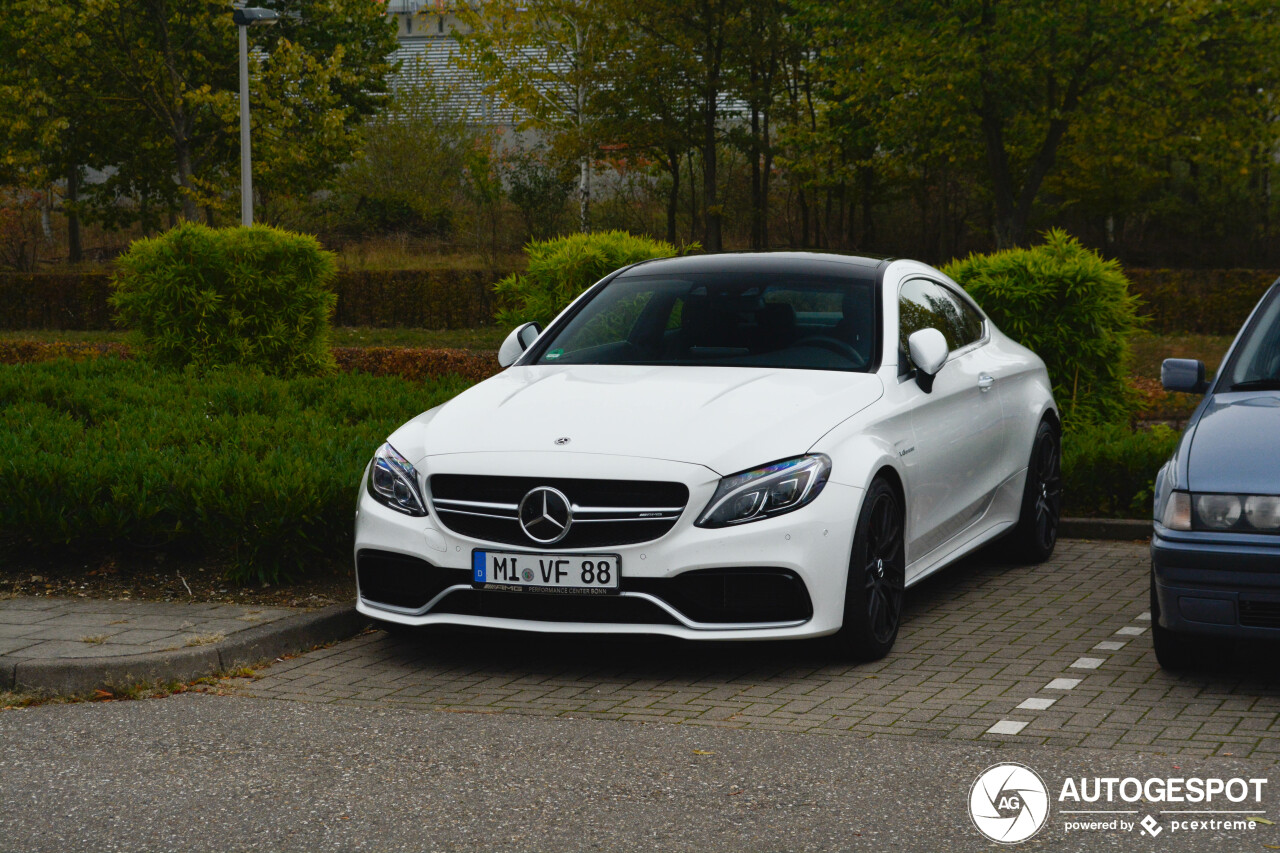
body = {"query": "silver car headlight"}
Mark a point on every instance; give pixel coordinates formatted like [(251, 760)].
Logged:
[(767, 491), (393, 482), (1214, 511)]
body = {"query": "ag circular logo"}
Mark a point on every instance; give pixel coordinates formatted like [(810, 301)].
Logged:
[(1008, 803)]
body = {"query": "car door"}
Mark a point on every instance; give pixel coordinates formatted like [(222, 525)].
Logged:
[(957, 428)]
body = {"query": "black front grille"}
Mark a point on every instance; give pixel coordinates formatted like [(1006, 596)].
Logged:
[(547, 607), (402, 581), (606, 512), (1260, 614)]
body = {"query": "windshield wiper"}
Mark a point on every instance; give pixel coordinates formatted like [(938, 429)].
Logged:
[(1272, 384)]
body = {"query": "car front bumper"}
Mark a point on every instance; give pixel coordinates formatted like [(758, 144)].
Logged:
[(811, 544), (1216, 584)]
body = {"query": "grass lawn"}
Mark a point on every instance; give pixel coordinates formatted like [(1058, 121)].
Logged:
[(1149, 350)]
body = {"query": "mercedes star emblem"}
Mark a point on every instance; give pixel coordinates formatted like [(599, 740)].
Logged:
[(545, 515)]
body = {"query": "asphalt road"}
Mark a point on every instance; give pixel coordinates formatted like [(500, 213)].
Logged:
[(210, 772)]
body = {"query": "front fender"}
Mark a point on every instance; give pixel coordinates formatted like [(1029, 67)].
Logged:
[(857, 459)]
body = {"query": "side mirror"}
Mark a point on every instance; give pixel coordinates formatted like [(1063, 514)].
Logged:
[(1183, 374), (929, 351), (520, 339)]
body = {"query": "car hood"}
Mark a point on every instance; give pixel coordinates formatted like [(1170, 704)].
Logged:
[(1236, 446), (726, 418)]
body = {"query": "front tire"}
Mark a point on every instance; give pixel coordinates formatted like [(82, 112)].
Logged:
[(1033, 540), (877, 575)]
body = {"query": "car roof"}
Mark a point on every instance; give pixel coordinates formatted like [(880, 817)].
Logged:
[(796, 263)]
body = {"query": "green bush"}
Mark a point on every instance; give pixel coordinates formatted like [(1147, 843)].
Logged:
[(231, 465), (1109, 470), (427, 299), (255, 297), (1072, 308), (561, 268)]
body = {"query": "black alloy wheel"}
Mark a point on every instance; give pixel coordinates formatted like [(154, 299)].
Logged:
[(1037, 532), (877, 576)]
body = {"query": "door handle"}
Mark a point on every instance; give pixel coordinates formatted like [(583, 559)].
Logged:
[(985, 381)]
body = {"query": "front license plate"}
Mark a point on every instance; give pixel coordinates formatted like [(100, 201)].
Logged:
[(568, 573)]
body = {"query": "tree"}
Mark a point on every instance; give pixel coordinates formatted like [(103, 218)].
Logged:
[(149, 89), (702, 37), (1011, 78), (411, 174), (1186, 152), (546, 59), (650, 105), (52, 122)]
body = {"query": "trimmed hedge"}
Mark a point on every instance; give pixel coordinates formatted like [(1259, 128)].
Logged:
[(1210, 302), (430, 299), (434, 299), (55, 301), (113, 455)]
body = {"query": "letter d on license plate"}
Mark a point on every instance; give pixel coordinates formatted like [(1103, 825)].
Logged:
[(546, 572)]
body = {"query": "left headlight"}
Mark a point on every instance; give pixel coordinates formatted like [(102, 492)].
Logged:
[(768, 491), (393, 482)]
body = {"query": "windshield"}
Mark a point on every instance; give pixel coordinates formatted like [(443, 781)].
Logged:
[(731, 320), (1256, 362)]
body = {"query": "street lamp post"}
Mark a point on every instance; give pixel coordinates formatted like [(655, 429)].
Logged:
[(245, 18)]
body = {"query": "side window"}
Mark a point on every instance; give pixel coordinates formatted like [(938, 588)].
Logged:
[(965, 323), (923, 304)]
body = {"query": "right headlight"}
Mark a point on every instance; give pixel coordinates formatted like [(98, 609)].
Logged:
[(767, 491), (1220, 511), (393, 482)]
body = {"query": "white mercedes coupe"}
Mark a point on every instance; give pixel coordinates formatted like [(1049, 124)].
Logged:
[(719, 447)]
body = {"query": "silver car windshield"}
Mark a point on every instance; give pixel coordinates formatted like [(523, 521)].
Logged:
[(1256, 361), (802, 322)]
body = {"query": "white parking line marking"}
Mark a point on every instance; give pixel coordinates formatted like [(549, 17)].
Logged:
[(1130, 632), (1036, 704), (1006, 727), (1088, 663), (1062, 684), (1144, 617), (1110, 646)]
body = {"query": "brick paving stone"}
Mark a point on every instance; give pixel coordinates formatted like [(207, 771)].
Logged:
[(976, 641)]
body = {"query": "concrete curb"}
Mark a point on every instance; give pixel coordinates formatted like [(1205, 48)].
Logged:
[(71, 676), (1115, 529)]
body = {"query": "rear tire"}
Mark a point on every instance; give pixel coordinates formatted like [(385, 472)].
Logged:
[(877, 575), (1033, 540)]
